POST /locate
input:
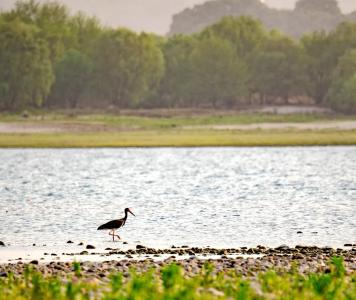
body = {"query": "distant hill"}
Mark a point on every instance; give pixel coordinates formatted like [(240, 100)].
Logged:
[(308, 16)]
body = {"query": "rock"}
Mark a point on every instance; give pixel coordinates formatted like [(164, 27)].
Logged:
[(125, 243), (348, 245), (34, 262), (70, 242), (84, 253), (53, 254), (299, 232), (3, 274), (80, 244), (2, 244), (283, 248), (90, 247), (138, 247), (33, 245)]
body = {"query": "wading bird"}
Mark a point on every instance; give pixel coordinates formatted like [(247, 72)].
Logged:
[(115, 224)]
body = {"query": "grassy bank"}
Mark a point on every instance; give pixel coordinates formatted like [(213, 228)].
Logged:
[(172, 282), (163, 119), (179, 138)]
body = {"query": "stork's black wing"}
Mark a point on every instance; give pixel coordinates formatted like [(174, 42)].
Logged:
[(114, 224)]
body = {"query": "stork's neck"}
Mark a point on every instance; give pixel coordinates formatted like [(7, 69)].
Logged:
[(126, 214)]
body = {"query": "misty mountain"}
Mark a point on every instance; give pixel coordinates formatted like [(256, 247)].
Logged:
[(307, 16), (150, 15)]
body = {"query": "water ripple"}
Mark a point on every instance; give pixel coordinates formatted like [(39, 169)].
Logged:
[(200, 196)]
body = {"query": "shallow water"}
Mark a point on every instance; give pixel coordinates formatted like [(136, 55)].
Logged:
[(221, 197)]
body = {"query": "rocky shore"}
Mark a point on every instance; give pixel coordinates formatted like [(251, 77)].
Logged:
[(245, 261)]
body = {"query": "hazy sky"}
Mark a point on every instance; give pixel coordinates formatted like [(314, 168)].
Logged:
[(150, 15)]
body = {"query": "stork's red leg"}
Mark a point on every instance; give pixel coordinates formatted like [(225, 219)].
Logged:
[(115, 235), (112, 232)]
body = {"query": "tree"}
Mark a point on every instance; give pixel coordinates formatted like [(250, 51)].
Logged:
[(244, 33), (321, 63), (342, 94), (51, 19), (218, 75), (72, 79), (246, 36), (26, 73), (323, 51), (175, 85), (85, 31), (343, 98), (278, 68), (127, 66)]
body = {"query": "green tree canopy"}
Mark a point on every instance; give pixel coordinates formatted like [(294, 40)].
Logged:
[(244, 33), (127, 66), (342, 94), (72, 79), (175, 85), (51, 19), (26, 72), (217, 74), (278, 68), (321, 62)]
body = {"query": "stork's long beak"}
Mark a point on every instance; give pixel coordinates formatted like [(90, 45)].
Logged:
[(131, 212)]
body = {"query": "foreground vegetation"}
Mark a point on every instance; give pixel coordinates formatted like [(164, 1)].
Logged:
[(171, 282), (54, 59)]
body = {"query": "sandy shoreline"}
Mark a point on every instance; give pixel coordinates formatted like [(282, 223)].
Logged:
[(58, 127)]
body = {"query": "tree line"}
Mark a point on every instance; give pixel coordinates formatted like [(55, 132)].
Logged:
[(50, 58)]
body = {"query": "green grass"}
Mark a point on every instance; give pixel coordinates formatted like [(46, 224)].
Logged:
[(179, 138), (171, 283)]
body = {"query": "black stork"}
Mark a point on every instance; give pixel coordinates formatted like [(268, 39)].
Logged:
[(115, 224)]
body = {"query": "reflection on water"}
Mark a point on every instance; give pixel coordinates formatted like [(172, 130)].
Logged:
[(202, 196)]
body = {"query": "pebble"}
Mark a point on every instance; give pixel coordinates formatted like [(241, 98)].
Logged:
[(309, 259), (90, 247), (70, 242), (2, 244)]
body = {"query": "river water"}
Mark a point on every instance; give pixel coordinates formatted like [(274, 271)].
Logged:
[(221, 197)]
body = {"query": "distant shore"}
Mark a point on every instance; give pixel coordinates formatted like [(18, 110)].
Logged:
[(175, 129)]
